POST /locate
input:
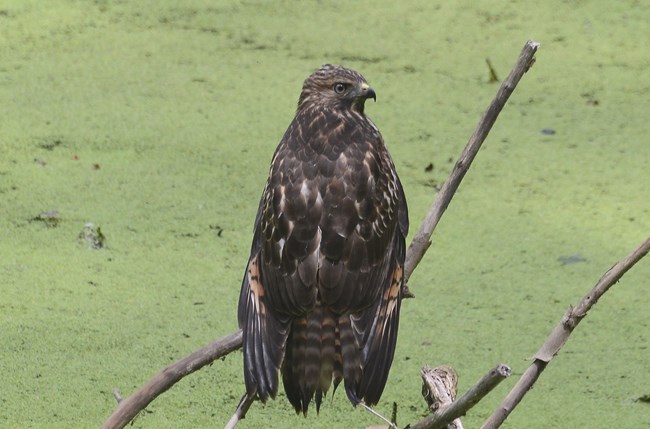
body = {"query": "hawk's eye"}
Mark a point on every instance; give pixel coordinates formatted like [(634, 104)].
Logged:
[(340, 88)]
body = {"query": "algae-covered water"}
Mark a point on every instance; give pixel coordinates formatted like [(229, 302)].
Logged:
[(156, 120)]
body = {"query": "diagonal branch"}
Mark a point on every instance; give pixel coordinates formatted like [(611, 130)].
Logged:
[(422, 238), (131, 406), (560, 335), (128, 408), (444, 415)]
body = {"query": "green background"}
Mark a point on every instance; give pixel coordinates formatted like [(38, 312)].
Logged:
[(156, 121)]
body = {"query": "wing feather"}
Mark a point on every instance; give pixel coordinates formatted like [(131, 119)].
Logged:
[(264, 336)]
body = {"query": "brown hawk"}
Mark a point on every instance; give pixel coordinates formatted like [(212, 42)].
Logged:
[(321, 295)]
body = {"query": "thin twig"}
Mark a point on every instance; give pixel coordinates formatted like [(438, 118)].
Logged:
[(117, 396), (390, 424), (560, 335), (166, 378), (241, 411), (459, 407)]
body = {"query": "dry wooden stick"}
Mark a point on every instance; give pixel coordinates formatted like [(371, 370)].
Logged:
[(443, 416), (128, 408), (422, 238), (439, 387), (560, 335), (131, 406), (240, 413)]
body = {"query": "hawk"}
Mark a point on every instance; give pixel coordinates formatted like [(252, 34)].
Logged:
[(320, 298)]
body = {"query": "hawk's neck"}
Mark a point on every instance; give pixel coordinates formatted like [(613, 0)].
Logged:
[(331, 131)]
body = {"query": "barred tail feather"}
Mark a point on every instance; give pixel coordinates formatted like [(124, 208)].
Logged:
[(310, 361), (350, 358), (293, 365), (328, 357), (323, 348)]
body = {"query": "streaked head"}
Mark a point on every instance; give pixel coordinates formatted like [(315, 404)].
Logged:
[(335, 87)]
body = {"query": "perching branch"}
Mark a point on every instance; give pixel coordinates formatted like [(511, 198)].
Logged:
[(422, 238), (131, 406), (128, 408), (560, 335)]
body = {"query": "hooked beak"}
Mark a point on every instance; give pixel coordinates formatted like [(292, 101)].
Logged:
[(367, 92)]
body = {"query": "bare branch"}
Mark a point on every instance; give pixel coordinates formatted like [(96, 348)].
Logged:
[(560, 335), (439, 389), (422, 239), (131, 406), (459, 408), (170, 375), (438, 385)]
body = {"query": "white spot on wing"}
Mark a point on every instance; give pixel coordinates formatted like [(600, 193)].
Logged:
[(304, 190), (282, 200)]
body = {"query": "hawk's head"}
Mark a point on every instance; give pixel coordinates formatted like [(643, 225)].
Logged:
[(335, 87)]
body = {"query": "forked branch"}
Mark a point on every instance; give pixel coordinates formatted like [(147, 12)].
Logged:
[(131, 406), (560, 335), (445, 414)]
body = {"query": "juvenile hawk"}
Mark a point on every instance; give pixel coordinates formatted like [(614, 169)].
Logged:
[(321, 294)]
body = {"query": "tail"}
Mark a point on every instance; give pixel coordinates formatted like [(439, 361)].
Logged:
[(312, 358), (325, 348)]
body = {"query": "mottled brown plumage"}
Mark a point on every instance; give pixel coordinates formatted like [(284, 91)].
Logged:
[(321, 295)]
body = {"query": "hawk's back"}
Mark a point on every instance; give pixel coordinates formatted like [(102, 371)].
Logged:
[(322, 291)]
